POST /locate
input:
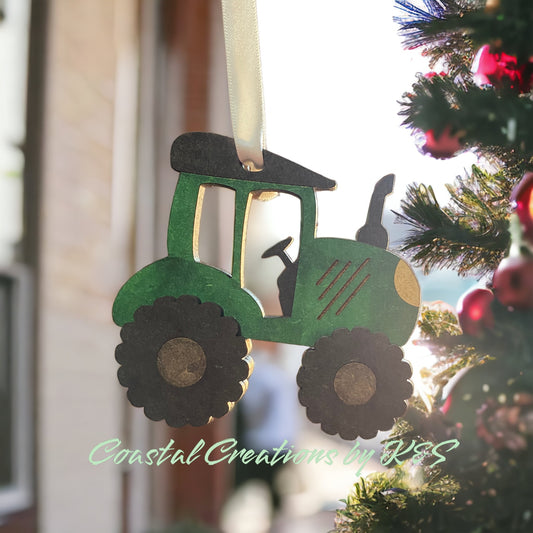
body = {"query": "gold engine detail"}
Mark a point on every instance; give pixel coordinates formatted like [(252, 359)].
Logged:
[(406, 284)]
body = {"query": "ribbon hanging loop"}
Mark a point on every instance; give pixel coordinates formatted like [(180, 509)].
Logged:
[(243, 60)]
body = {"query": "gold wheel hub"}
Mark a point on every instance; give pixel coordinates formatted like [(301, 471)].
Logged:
[(181, 362), (355, 383)]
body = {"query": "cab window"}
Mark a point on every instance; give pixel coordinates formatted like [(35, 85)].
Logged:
[(273, 217), (213, 229)]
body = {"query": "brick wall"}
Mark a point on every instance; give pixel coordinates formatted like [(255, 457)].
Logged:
[(81, 265)]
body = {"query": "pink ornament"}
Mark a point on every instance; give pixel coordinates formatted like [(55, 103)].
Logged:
[(474, 311), (522, 197), (444, 146), (501, 70), (512, 282)]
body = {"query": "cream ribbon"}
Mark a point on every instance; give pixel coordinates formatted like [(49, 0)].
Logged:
[(243, 59)]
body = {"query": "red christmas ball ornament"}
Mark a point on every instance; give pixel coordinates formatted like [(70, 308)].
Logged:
[(522, 198), (501, 70), (512, 282), (474, 311), (442, 146)]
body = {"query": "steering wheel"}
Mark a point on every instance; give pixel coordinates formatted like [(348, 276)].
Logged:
[(278, 249)]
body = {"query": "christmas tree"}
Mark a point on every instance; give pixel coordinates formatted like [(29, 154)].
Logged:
[(481, 387)]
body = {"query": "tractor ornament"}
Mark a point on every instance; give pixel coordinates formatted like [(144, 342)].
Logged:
[(186, 325)]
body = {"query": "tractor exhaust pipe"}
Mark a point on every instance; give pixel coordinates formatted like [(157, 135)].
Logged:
[(373, 231)]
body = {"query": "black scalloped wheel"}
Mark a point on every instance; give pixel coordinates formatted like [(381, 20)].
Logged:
[(183, 361), (354, 383)]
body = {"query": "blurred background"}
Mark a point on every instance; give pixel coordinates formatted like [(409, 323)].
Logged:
[(92, 94)]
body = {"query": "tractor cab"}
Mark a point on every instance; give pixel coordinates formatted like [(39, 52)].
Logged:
[(221, 168)]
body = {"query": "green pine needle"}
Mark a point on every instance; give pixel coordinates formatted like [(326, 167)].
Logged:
[(470, 234)]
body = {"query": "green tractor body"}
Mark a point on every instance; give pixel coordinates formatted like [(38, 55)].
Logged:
[(339, 284)]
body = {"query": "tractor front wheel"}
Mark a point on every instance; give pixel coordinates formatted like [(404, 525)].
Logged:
[(183, 361), (354, 383)]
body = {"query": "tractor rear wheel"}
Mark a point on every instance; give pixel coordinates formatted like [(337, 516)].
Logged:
[(183, 361), (354, 383)]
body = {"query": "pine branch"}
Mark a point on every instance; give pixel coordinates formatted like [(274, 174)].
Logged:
[(456, 54), (441, 334), (430, 104), (513, 162), (434, 324), (416, 24), (481, 117), (469, 236), (398, 500), (510, 25)]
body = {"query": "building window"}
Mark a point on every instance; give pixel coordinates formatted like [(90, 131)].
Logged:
[(16, 388)]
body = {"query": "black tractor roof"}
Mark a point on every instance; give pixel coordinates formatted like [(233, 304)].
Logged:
[(210, 154)]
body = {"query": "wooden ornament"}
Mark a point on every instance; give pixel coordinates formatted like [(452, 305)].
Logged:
[(334, 284)]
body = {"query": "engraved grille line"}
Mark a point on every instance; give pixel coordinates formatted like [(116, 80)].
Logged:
[(343, 270), (349, 299), (342, 289), (327, 272)]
